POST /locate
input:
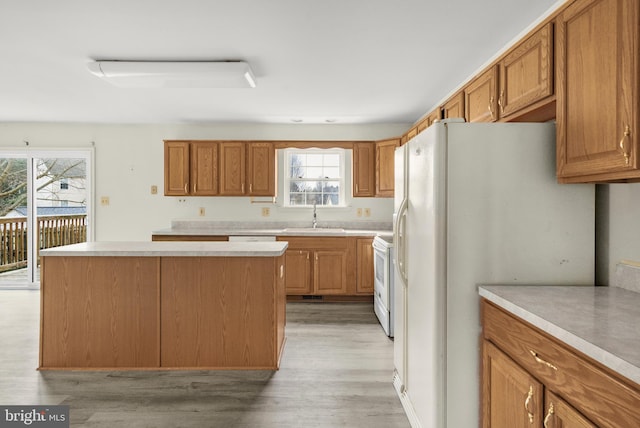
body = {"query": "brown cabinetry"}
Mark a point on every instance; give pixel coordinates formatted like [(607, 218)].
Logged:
[(219, 168), (526, 73), (232, 168), (518, 358), (597, 73), (204, 168), (454, 107), (261, 169), (328, 266), (363, 169), (480, 98), (385, 158), (364, 263), (176, 168), (429, 119)]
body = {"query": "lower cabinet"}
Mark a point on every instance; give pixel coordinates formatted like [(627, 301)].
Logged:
[(328, 266), (531, 379)]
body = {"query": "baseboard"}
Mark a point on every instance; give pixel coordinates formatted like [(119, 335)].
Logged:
[(406, 402)]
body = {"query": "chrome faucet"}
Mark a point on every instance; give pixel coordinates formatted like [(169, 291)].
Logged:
[(315, 217)]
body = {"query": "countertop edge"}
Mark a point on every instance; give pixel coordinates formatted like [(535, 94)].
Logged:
[(604, 357), (168, 249)]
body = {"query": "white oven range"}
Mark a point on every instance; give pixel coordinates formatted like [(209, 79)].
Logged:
[(383, 281)]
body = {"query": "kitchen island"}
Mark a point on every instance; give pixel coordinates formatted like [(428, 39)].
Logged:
[(163, 305)]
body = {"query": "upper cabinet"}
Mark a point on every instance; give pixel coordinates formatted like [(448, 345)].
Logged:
[(454, 107), (261, 169), (429, 119), (176, 168), (526, 74), (204, 168), (363, 169), (480, 98), (232, 168), (219, 168), (597, 73), (385, 158)]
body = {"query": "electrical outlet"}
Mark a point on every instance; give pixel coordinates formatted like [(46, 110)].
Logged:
[(154, 190), (201, 211), (104, 201), (367, 212), (265, 211), (359, 212)]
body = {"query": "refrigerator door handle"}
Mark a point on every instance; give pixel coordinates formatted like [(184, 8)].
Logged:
[(400, 229)]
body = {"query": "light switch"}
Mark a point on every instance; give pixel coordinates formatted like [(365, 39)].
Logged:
[(265, 211), (359, 212), (104, 201), (367, 212), (154, 190), (201, 211)]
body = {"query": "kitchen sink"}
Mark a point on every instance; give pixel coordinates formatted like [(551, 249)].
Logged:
[(318, 230)]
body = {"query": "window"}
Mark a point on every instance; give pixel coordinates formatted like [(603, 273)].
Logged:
[(314, 176), (64, 184)]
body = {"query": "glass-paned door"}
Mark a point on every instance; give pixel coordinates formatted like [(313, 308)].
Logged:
[(44, 202)]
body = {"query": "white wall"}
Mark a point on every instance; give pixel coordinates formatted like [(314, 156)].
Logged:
[(618, 227), (129, 159)]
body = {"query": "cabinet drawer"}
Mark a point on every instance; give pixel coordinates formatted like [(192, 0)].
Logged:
[(596, 392)]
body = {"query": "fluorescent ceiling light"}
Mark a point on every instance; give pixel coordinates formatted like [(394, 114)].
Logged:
[(161, 74)]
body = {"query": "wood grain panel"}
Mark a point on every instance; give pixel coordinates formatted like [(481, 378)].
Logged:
[(364, 169), (204, 168), (559, 414), (526, 72), (261, 169), (232, 168), (176, 168), (454, 107), (603, 397), (218, 312), (385, 167), (364, 264), (480, 97), (100, 312), (506, 390), (298, 272), (330, 272)]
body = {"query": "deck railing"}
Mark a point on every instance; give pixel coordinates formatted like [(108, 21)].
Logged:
[(53, 231)]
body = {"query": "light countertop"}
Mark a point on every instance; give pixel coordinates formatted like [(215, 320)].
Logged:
[(228, 228), (170, 249), (600, 322)]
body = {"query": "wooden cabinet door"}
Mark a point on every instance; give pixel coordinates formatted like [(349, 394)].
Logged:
[(364, 266), (330, 271), (232, 168), (385, 159), (511, 397), (597, 43), (480, 98), (526, 73), (454, 107), (429, 120), (261, 169), (204, 168), (559, 414), (176, 168), (298, 272), (363, 169)]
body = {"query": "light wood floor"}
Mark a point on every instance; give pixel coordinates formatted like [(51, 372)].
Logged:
[(336, 372)]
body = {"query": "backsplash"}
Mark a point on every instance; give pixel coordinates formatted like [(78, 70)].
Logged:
[(627, 276)]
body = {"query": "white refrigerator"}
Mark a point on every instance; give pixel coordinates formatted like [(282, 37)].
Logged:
[(475, 204)]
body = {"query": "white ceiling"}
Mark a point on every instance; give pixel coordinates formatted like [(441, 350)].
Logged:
[(352, 61)]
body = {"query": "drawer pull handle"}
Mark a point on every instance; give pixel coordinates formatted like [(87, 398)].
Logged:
[(527, 402), (541, 361), (549, 416), (623, 147)]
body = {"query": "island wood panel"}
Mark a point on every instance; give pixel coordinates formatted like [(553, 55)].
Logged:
[(99, 312), (221, 313)]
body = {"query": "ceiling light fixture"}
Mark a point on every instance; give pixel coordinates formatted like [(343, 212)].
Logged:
[(168, 74)]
